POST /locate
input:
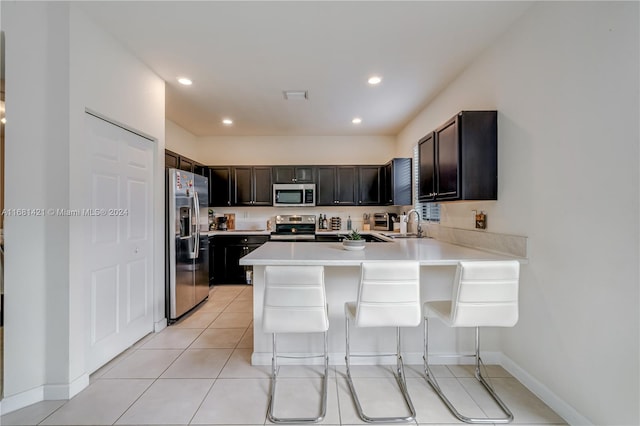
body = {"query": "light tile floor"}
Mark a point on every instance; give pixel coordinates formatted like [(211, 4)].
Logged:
[(198, 371)]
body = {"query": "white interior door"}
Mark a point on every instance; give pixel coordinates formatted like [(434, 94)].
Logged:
[(118, 239)]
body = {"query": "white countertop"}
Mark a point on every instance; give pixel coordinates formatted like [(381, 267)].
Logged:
[(425, 250), (236, 232)]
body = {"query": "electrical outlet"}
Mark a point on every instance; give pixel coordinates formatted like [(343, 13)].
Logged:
[(481, 220)]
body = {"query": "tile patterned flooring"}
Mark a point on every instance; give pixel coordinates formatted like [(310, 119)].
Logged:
[(198, 372)]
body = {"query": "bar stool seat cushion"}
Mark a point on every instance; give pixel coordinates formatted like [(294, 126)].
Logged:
[(388, 296), (294, 300)]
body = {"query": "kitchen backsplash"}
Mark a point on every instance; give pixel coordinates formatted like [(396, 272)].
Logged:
[(514, 245), (255, 218)]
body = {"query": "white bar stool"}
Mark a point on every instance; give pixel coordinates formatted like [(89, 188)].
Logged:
[(388, 296), (295, 302), (485, 294)]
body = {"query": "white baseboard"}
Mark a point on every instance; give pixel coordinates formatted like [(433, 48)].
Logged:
[(160, 325), (22, 399), (68, 391), (564, 410)]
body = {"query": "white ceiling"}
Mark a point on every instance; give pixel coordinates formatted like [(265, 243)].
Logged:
[(241, 55)]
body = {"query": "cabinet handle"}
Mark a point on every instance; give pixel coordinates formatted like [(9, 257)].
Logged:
[(360, 201)]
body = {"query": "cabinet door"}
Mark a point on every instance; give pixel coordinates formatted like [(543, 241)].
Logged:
[(262, 186), (212, 261), (447, 161), (347, 185), (200, 169), (370, 185), (219, 262), (387, 179), (427, 169), (304, 174), (235, 273), (284, 174), (219, 186), (326, 186), (242, 186), (186, 164), (171, 160)]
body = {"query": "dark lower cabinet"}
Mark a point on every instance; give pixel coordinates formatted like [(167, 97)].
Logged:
[(227, 252)]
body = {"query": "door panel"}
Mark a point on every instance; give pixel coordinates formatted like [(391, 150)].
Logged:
[(118, 250), (136, 290), (447, 153), (104, 303)]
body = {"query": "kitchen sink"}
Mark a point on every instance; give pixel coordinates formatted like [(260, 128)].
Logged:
[(409, 235)]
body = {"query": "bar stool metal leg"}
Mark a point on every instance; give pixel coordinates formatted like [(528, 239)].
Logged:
[(431, 379), (400, 378), (274, 375)]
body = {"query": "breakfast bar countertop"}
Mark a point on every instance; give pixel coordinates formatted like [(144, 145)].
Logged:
[(427, 251)]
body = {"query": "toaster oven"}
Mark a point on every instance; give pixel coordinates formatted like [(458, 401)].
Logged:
[(383, 221)]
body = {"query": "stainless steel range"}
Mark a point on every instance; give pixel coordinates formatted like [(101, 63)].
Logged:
[(295, 228)]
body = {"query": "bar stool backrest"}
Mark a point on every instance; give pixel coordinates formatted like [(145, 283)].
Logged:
[(389, 295), (294, 300), (485, 294)]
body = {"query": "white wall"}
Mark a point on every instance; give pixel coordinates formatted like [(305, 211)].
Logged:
[(107, 79), (564, 80), (260, 150), (181, 141), (37, 135), (58, 63)]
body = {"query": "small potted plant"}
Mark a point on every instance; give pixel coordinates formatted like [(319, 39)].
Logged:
[(353, 241)]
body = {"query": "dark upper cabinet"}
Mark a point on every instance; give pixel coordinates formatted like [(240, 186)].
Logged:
[(459, 160), (427, 168), (293, 174), (186, 164), (200, 169), (252, 186), (219, 186), (262, 186), (171, 159), (370, 186), (174, 160), (397, 182), (337, 185)]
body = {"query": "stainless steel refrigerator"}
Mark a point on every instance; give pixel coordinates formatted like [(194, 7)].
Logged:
[(187, 265)]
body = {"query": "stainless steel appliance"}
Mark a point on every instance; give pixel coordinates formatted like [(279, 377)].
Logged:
[(294, 194), (383, 221), (221, 223), (295, 228), (187, 264)]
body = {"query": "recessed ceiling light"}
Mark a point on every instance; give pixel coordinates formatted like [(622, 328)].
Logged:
[(357, 120), (227, 122), (374, 79), (185, 81)]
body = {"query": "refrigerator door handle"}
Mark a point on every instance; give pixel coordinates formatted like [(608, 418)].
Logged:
[(196, 208)]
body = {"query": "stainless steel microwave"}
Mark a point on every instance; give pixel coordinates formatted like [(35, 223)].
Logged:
[(294, 194)]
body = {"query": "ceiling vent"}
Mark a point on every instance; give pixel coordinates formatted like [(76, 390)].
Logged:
[(296, 95)]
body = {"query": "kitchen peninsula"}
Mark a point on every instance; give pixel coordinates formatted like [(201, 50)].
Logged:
[(342, 273)]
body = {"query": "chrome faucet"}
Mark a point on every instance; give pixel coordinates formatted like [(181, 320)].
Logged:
[(419, 228)]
